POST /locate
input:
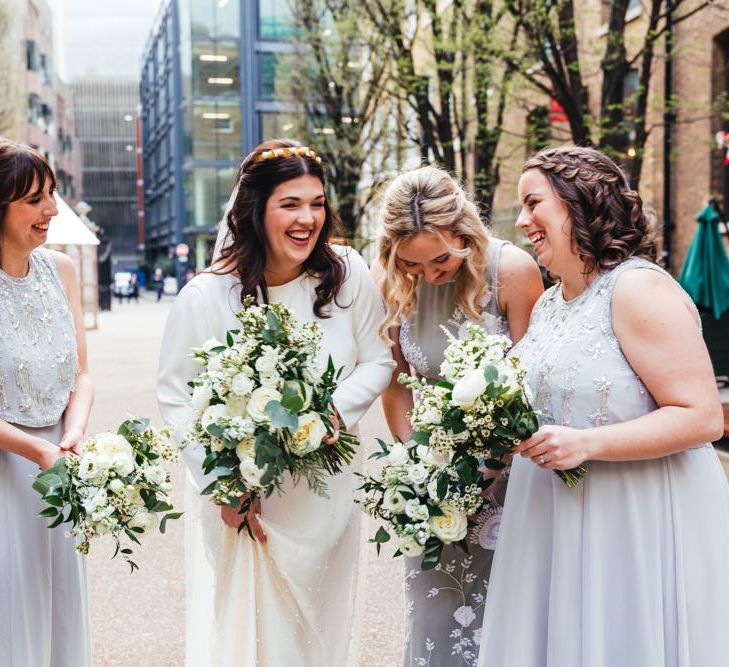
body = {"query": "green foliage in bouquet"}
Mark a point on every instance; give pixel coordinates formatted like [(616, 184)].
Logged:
[(262, 407), (118, 486)]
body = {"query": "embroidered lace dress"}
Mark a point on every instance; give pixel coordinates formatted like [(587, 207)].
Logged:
[(444, 606), (629, 568), (43, 608)]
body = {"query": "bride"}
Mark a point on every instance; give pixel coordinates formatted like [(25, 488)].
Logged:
[(287, 597)]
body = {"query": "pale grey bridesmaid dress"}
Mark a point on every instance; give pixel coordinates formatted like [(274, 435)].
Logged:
[(629, 569), (444, 606), (43, 602)]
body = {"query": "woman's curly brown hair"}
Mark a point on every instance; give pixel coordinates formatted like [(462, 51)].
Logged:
[(608, 221), (247, 250)]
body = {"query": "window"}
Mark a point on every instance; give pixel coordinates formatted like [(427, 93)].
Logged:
[(215, 69), (31, 55), (207, 190), (215, 18), (276, 125), (216, 131), (275, 20)]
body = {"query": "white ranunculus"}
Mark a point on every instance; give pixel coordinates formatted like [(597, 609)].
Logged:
[(418, 474), (268, 360), (398, 455), (144, 520), (420, 489), (116, 486), (88, 466), (201, 396), (469, 388), (309, 434), (246, 448), (211, 344), (451, 526), (464, 615), (213, 413), (251, 473), (416, 511), (393, 499), (410, 546), (237, 405), (258, 401), (242, 385)]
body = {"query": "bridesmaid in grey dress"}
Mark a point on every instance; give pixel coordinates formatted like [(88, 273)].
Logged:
[(629, 568), (437, 267), (45, 399)]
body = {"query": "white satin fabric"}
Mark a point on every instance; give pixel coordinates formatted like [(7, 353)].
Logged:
[(291, 600)]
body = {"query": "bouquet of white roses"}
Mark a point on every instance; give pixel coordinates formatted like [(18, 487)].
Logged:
[(262, 406), (118, 485), (431, 486)]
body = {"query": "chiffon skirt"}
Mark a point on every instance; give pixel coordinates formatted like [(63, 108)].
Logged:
[(44, 620), (630, 569)]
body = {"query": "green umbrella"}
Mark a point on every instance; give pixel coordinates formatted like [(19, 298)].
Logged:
[(705, 274)]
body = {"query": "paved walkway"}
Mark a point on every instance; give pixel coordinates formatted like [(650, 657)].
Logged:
[(138, 620)]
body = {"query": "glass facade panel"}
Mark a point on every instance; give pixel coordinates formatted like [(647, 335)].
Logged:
[(215, 18), (216, 130), (274, 20), (277, 125), (215, 69), (207, 190)]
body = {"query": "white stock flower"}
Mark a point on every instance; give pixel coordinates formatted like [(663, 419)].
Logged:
[(215, 364), (213, 413), (464, 615), (250, 472), (410, 546), (416, 511), (155, 474), (309, 434), (451, 526), (268, 360), (258, 401), (246, 449), (242, 385), (393, 499), (201, 396), (95, 500), (144, 520), (398, 455), (212, 343), (469, 388)]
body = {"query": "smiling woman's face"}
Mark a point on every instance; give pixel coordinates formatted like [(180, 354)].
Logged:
[(293, 220), (429, 255), (25, 226)]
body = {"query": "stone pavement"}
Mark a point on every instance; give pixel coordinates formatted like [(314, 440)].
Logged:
[(139, 620)]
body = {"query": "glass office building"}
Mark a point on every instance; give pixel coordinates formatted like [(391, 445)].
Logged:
[(208, 96)]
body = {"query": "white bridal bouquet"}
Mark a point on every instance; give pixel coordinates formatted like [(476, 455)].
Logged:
[(262, 407), (431, 486), (119, 485)]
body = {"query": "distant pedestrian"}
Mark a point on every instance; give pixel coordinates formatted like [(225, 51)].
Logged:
[(158, 280), (133, 287)]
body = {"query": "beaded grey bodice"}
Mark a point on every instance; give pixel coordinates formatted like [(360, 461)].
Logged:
[(38, 355), (422, 341), (576, 369)]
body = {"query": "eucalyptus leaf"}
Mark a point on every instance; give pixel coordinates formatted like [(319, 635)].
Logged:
[(281, 417)]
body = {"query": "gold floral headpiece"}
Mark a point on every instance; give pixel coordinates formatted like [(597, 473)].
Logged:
[(288, 151)]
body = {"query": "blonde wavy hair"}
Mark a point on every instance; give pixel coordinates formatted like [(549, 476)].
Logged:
[(429, 200)]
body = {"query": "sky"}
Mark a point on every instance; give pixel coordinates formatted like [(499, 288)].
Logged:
[(101, 37)]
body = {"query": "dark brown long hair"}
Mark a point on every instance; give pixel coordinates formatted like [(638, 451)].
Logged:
[(609, 224), (246, 253), (20, 167)]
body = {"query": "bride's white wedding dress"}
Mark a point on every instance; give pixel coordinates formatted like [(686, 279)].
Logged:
[(291, 600)]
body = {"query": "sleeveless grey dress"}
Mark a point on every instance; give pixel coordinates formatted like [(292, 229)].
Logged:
[(43, 604), (629, 569), (444, 606)]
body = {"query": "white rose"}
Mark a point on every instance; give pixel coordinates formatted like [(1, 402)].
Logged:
[(213, 413), (469, 388), (393, 499), (451, 526), (250, 473), (116, 486), (268, 360), (258, 401), (246, 449), (118, 450), (418, 474), (416, 511), (410, 546), (464, 616), (211, 344), (236, 404), (242, 385), (398, 455), (308, 435), (144, 520), (201, 396)]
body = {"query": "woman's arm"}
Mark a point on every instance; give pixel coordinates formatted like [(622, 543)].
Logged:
[(659, 335), (397, 401), (373, 371), (37, 450), (76, 415), (520, 285)]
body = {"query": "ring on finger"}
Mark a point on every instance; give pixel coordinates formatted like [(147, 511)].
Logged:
[(541, 459)]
